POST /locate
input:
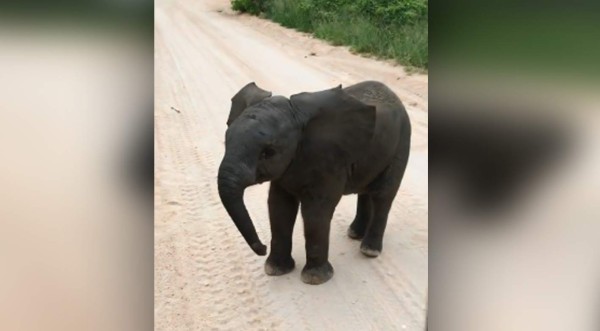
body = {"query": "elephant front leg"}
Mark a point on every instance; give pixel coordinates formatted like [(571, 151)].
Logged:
[(283, 209), (317, 221)]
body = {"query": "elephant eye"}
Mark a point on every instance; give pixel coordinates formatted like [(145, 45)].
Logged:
[(267, 153)]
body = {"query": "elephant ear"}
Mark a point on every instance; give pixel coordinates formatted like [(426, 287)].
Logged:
[(246, 97), (338, 127)]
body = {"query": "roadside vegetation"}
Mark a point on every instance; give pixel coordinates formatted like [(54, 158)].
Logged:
[(390, 29)]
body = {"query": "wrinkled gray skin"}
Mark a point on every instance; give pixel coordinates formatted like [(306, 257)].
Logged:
[(315, 148)]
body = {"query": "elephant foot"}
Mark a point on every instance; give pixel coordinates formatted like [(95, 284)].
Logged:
[(317, 275), (277, 269), (354, 234), (370, 250)]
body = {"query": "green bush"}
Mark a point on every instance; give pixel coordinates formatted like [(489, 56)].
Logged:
[(292, 14), (393, 29), (253, 7)]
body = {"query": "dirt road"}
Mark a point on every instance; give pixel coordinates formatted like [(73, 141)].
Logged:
[(206, 278)]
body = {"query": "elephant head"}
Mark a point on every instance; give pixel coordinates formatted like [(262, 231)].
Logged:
[(267, 134)]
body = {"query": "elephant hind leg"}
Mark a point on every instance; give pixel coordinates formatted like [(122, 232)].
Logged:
[(372, 243), (364, 213), (382, 196)]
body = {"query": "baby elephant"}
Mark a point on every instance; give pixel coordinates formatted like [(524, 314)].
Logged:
[(315, 147)]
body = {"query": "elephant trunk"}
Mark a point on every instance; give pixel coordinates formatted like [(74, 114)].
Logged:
[(232, 184)]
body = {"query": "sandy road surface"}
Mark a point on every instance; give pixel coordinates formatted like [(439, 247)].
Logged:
[(206, 277)]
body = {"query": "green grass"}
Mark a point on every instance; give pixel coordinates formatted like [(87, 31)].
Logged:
[(375, 27)]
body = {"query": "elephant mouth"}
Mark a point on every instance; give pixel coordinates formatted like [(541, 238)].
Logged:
[(261, 177)]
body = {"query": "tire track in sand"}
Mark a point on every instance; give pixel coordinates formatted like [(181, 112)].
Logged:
[(198, 197)]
